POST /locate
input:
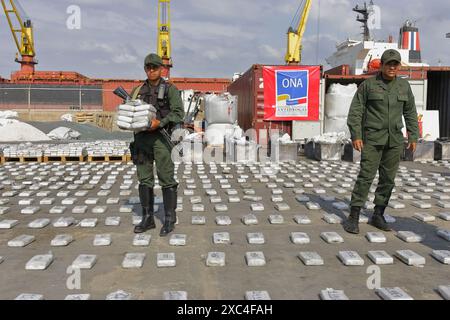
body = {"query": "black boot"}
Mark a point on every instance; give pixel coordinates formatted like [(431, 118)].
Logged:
[(170, 204), (378, 220), (147, 200), (351, 225)]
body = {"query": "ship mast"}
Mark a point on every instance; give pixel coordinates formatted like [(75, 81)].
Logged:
[(365, 12)]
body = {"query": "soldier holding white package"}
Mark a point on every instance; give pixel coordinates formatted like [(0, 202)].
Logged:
[(155, 105)]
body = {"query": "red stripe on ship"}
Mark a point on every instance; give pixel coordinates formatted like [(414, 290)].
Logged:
[(417, 42), (405, 44)]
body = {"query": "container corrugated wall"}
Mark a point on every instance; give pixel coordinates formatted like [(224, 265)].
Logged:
[(439, 98), (37, 96), (110, 100), (249, 89), (203, 85)]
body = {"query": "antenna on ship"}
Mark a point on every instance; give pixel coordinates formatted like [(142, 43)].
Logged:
[(365, 12)]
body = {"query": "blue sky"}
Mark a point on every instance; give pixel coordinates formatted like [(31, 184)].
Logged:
[(210, 38)]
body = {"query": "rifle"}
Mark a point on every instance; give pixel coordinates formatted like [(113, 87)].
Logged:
[(122, 93)]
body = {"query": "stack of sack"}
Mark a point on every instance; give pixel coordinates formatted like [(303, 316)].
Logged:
[(135, 116), (337, 106), (221, 117)]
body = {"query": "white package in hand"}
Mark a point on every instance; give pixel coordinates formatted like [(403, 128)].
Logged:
[(126, 113), (125, 119), (144, 107), (126, 107), (131, 116), (141, 113), (135, 117), (140, 119), (124, 125), (134, 107), (140, 125)]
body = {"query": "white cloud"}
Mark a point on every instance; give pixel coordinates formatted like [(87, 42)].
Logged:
[(199, 30), (124, 58), (210, 38), (93, 46), (271, 52), (212, 55)]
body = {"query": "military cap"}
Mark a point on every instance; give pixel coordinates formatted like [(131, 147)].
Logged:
[(391, 55), (153, 59)]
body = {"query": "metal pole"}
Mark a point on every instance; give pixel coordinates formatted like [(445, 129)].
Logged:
[(29, 102), (318, 33)]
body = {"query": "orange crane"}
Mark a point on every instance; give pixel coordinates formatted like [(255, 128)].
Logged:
[(22, 32)]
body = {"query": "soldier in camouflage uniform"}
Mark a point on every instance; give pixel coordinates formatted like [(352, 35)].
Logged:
[(150, 146), (375, 123)]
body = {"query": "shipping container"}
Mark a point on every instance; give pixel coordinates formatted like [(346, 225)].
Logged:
[(418, 77), (58, 97), (51, 77), (419, 89), (302, 130), (220, 109), (88, 96), (343, 72), (418, 86), (439, 98), (249, 88), (110, 100), (202, 85)]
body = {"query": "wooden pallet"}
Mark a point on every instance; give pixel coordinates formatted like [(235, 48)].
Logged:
[(64, 158), (107, 158), (85, 117), (21, 159), (105, 120), (117, 158)]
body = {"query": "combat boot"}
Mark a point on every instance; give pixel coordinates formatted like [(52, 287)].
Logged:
[(146, 197), (378, 220), (351, 225), (170, 205)]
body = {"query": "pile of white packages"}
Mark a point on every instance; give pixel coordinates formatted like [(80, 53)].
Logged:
[(135, 116)]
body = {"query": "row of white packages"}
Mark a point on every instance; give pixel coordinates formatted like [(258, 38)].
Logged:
[(133, 120), (133, 126), (132, 114), (135, 117), (130, 108)]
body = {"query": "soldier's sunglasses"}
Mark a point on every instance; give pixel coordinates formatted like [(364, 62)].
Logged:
[(152, 67)]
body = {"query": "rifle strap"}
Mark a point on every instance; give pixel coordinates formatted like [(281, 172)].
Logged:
[(135, 92)]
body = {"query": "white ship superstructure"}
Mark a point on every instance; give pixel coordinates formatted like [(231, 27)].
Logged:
[(363, 56)]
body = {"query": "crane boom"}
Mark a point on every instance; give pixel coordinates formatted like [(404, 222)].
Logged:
[(295, 36), (164, 45), (23, 30)]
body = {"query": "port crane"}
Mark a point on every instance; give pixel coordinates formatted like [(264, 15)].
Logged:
[(163, 42), (22, 31), (296, 32)]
